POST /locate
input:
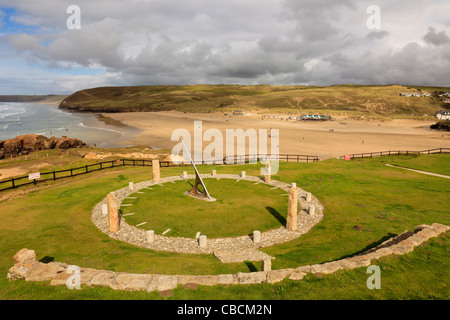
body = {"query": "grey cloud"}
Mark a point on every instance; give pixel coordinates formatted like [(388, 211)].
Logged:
[(375, 35), (436, 38), (247, 42)]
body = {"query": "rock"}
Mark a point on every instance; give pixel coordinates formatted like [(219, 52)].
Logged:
[(103, 279), (24, 144), (297, 275), (251, 278), (131, 282), (330, 267), (162, 283), (440, 227), (60, 279), (306, 269), (226, 279), (44, 271), (278, 275), (87, 274), (20, 270), (358, 227), (25, 255), (205, 280)]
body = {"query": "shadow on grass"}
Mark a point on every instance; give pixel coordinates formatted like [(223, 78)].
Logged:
[(370, 246), (251, 266), (277, 215)]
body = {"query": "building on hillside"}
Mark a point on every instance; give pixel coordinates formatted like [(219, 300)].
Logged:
[(414, 94), (442, 115)]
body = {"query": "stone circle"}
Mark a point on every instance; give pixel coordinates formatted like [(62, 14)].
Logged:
[(223, 248)]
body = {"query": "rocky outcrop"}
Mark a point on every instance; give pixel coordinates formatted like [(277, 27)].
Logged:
[(443, 125), (24, 144)]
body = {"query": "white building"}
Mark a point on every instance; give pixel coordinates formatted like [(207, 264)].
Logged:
[(442, 115)]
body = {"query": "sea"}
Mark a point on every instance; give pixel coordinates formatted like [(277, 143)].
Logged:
[(17, 118)]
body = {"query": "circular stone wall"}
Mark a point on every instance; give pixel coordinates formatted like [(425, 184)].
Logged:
[(137, 236)]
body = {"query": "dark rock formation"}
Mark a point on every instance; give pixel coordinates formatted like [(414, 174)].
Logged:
[(27, 143), (441, 125)]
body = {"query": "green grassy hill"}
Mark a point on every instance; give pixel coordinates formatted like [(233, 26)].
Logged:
[(356, 100)]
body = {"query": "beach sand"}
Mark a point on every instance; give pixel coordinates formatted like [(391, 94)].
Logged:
[(325, 139)]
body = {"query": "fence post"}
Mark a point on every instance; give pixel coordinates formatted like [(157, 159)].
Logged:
[(12, 180), (71, 172), (86, 169), (54, 175)]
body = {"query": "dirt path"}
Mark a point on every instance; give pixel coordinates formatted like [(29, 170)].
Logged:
[(420, 171)]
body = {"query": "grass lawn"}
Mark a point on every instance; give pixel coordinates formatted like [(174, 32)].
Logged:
[(55, 221), (240, 208), (434, 163)]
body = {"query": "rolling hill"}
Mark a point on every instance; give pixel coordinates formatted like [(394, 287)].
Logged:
[(381, 101)]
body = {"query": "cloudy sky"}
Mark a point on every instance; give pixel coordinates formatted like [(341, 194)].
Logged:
[(152, 42)]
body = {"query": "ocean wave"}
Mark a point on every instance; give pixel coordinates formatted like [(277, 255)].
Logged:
[(4, 126), (8, 110), (81, 124)]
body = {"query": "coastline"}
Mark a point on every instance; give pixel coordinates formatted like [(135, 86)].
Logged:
[(328, 139)]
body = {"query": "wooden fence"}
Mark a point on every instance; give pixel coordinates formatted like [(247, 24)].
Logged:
[(253, 158), (237, 159), (54, 175), (395, 153)]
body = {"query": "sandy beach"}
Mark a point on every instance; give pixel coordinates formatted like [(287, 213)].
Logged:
[(324, 139)]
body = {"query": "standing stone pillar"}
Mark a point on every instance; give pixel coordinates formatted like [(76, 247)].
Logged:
[(202, 241), (184, 174), (150, 234), (256, 236), (214, 173), (266, 264), (243, 175), (131, 185), (308, 196), (291, 221), (312, 210), (155, 170), (104, 209), (268, 172), (113, 213)]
